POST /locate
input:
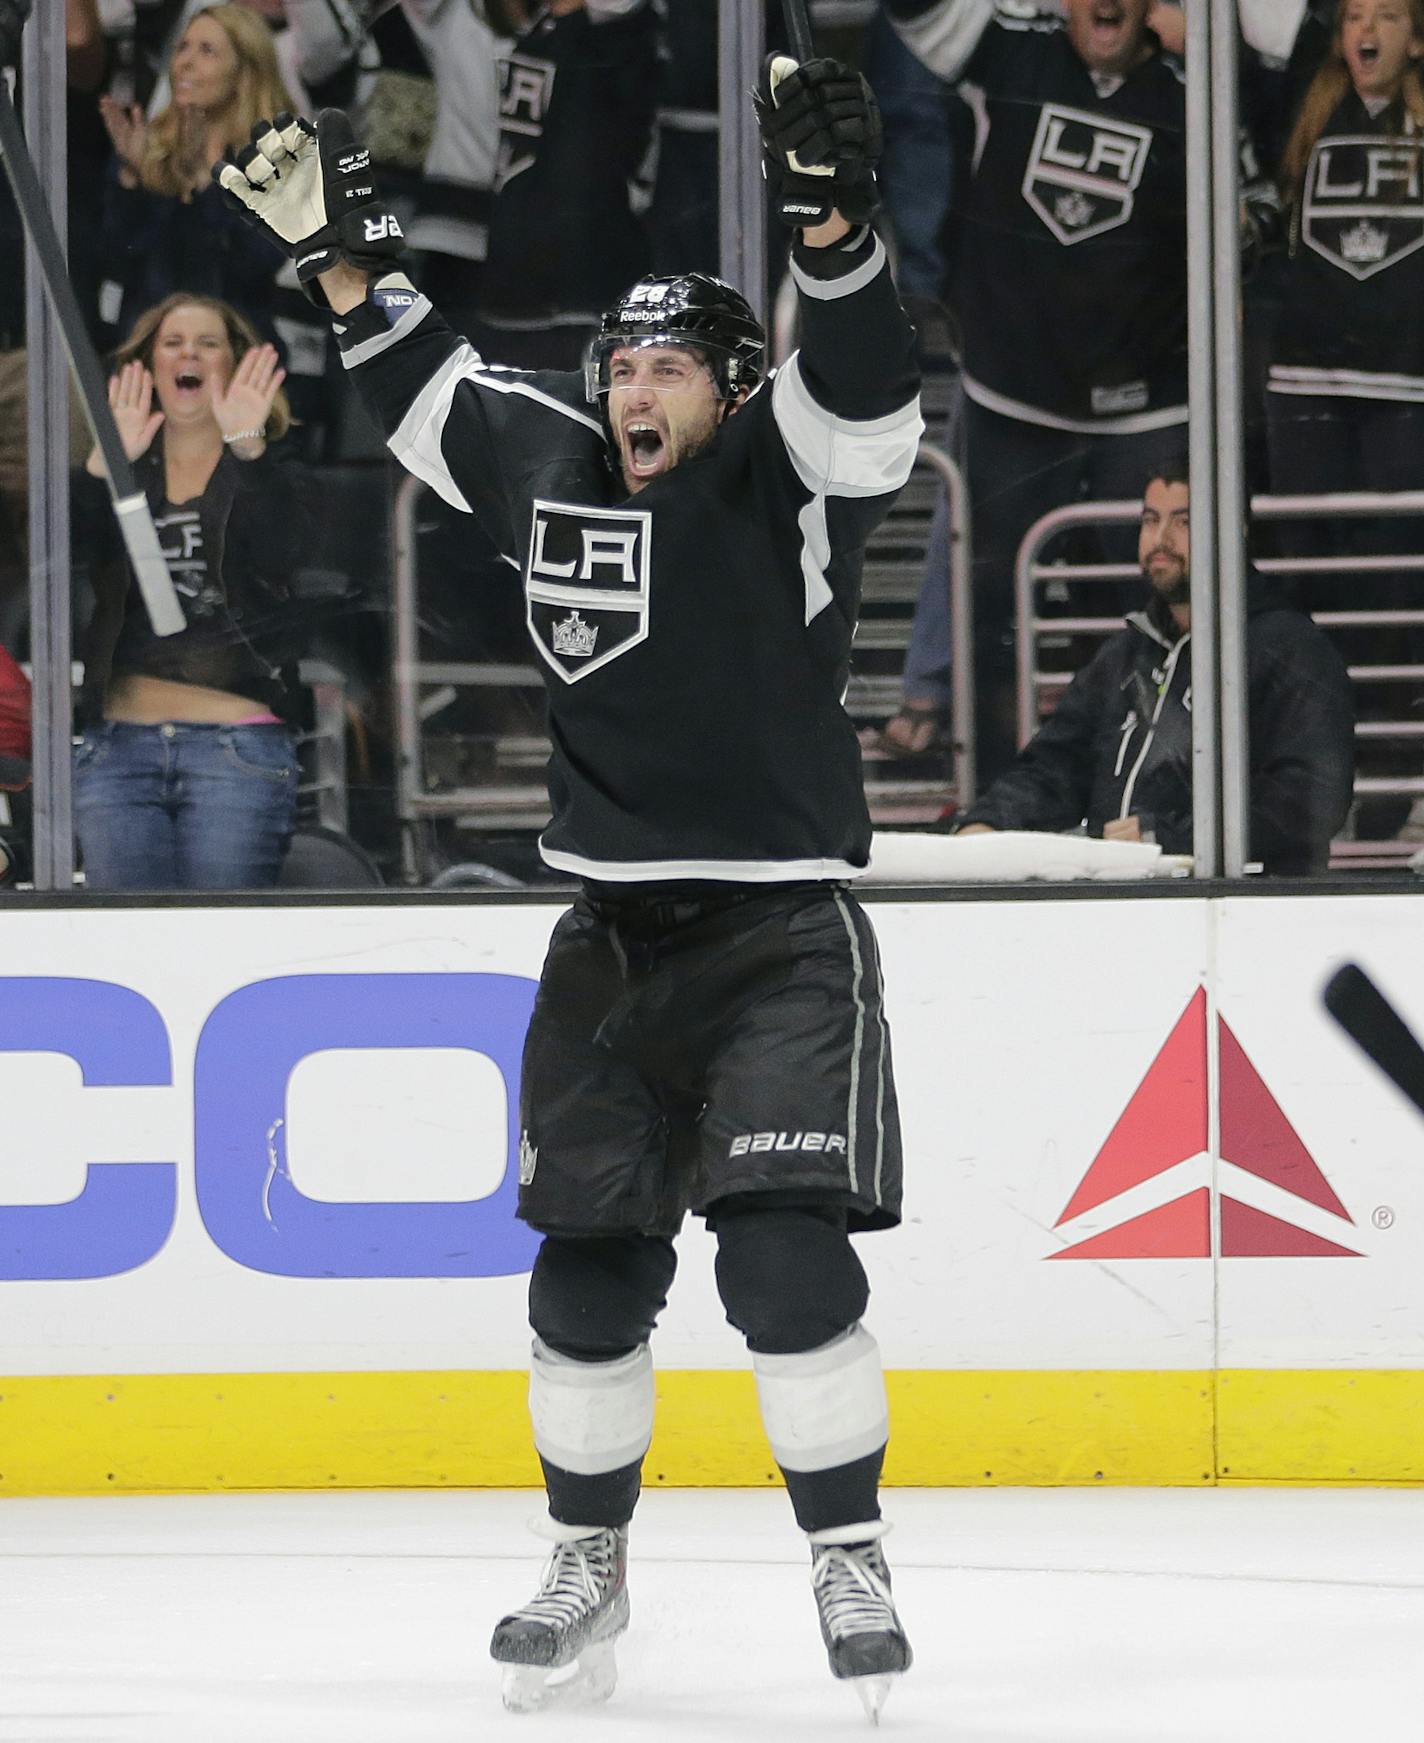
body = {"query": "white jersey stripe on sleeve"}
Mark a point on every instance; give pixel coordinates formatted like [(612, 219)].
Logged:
[(843, 456), (418, 439), (815, 555), (369, 348), (827, 290)]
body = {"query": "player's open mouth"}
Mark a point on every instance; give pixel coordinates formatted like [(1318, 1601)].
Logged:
[(646, 451), (188, 381), (1367, 53)]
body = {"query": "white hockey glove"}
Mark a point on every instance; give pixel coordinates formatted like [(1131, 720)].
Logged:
[(311, 188)]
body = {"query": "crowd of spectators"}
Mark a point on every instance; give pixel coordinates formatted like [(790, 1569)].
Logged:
[(1063, 269), (545, 153)]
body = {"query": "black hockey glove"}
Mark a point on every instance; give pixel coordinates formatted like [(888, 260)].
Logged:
[(821, 140), (311, 188)]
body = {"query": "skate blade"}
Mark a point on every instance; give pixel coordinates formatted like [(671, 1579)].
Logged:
[(588, 1679), (874, 1691)]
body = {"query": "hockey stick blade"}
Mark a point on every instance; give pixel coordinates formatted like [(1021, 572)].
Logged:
[(1373, 1024)]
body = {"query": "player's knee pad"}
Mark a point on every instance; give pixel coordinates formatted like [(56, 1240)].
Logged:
[(598, 1297), (591, 1417), (788, 1277), (826, 1407)]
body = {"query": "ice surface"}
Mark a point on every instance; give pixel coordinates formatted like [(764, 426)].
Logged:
[(1057, 1616)]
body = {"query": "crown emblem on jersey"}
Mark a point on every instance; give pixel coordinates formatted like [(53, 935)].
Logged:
[(1072, 210), (1364, 245), (574, 636)]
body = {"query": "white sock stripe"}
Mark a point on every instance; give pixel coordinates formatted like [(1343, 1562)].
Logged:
[(591, 1417), (824, 1407)]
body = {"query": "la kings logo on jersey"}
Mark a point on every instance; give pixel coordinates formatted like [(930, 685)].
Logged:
[(586, 584), (1083, 171), (526, 86), (1364, 202)]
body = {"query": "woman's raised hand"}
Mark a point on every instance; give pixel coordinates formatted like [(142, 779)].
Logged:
[(128, 129), (131, 397), (246, 403)]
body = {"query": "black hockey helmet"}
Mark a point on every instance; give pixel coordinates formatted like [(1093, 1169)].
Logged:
[(689, 308)]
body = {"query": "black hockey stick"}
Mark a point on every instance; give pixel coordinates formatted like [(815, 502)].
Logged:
[(1373, 1024), (798, 30), (130, 504)]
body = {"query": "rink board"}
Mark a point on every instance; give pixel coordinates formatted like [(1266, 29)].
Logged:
[(1163, 1224)]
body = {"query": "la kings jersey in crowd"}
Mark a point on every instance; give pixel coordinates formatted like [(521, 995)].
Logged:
[(1350, 319), (695, 637), (565, 236), (1071, 285)]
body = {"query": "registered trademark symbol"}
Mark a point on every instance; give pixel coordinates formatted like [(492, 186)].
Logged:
[(1383, 1217)]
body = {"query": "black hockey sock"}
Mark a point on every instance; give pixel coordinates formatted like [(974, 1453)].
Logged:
[(605, 1499), (844, 1495)]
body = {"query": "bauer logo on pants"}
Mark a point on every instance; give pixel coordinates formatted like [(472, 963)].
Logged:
[(1364, 202), (1083, 171), (586, 585)]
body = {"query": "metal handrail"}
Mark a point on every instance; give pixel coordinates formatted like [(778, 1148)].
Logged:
[(1351, 505), (1029, 570), (961, 615)]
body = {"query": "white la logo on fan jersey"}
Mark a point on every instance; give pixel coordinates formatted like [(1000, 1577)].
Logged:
[(1083, 171), (1364, 202), (526, 85)]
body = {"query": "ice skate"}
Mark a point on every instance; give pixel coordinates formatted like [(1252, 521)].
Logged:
[(864, 1639), (558, 1649)]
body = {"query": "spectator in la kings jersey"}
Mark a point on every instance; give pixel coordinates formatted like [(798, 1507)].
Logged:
[(708, 1032), (1070, 291)]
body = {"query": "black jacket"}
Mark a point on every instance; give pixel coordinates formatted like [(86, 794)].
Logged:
[(1119, 742), (233, 553)]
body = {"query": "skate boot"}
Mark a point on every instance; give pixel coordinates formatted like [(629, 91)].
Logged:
[(558, 1650), (862, 1632)]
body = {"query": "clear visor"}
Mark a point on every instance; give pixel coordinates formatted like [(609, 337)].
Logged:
[(662, 361)]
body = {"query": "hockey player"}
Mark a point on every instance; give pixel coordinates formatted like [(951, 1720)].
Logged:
[(708, 1032)]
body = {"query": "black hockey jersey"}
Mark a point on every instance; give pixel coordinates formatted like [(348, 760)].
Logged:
[(1352, 311), (564, 236), (1072, 260), (695, 637)]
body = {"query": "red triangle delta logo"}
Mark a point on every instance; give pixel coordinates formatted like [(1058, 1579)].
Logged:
[(1165, 1125)]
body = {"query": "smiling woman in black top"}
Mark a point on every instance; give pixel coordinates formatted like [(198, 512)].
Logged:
[(186, 776)]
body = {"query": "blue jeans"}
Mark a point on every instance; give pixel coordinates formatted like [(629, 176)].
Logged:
[(183, 806), (917, 170)]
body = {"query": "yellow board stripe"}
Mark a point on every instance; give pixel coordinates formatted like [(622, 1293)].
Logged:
[(154, 1432), (1328, 1426), (161, 1432)]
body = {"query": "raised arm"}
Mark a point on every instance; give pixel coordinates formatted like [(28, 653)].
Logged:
[(847, 402), (312, 189)]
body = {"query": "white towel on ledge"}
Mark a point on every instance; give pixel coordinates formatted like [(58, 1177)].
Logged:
[(1013, 856)]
